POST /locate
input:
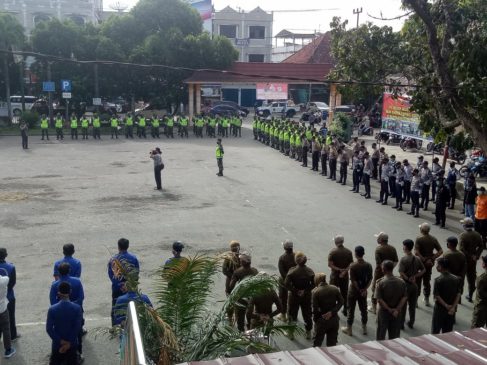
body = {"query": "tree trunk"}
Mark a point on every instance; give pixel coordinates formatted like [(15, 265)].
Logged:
[(473, 124)]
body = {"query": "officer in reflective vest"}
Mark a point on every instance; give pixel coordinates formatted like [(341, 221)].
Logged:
[(219, 156), (45, 127), (155, 127), (141, 127), (211, 126), (74, 126), (129, 126), (96, 126), (59, 127), (225, 124), (114, 126), (170, 127), (84, 127)]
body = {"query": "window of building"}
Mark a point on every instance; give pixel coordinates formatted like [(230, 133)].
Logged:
[(257, 32), (256, 58), (229, 31)]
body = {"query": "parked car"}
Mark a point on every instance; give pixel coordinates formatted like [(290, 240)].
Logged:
[(225, 110), (233, 104), (313, 107), (279, 107)]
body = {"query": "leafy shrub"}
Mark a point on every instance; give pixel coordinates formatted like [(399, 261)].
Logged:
[(31, 118)]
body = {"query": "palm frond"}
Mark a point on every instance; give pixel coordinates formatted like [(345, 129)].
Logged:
[(182, 290)]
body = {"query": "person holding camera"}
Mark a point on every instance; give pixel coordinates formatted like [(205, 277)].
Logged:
[(158, 166)]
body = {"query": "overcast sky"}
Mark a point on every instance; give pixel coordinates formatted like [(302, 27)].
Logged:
[(318, 20)]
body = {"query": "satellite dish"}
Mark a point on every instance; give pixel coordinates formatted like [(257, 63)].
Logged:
[(118, 6)]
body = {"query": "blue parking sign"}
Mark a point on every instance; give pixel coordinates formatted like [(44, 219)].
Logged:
[(66, 86), (48, 87)]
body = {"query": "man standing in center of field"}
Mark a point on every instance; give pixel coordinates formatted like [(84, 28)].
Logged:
[(219, 156), (339, 261), (383, 252), (425, 247)]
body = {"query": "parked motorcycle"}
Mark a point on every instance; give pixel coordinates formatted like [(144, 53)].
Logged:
[(364, 129), (382, 137), (458, 157), (478, 167), (394, 139), (410, 143), (436, 148)]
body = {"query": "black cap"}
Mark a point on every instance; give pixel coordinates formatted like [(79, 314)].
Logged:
[(177, 246)]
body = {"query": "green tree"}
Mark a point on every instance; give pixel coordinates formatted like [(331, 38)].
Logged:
[(11, 36), (184, 326)]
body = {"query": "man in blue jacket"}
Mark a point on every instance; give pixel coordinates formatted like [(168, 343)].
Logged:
[(64, 321), (119, 266), (131, 295), (8, 269), (74, 264)]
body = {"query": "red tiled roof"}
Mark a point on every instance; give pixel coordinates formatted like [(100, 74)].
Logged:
[(318, 51), (461, 348), (252, 72)]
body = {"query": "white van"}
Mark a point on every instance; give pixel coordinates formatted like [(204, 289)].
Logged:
[(16, 102)]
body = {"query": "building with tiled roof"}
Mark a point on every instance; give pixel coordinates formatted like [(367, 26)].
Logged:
[(318, 51)]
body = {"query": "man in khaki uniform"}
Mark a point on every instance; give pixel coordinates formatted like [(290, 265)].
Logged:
[(339, 261), (479, 318), (240, 274), (391, 294), (231, 263), (286, 262), (360, 278), (260, 308), (327, 301), (300, 282), (425, 247), (456, 259), (411, 268), (383, 252), (446, 292), (471, 245)]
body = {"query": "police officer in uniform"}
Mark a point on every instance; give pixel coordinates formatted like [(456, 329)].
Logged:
[(391, 293), (96, 126), (45, 127), (285, 263), (383, 252), (239, 274), (447, 292), (260, 308), (411, 268), (472, 247), (339, 260), (129, 126), (155, 127), (85, 123), (58, 124), (425, 247), (327, 301), (300, 281), (141, 127), (231, 263), (360, 279), (456, 259), (114, 126), (479, 318), (219, 156), (74, 126)]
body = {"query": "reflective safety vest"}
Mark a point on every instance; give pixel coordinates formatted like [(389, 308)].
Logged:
[(44, 123), (142, 122), (129, 122), (291, 140), (257, 125), (155, 123), (59, 123), (219, 151), (170, 122), (329, 140), (254, 124), (84, 123), (96, 123), (74, 123), (212, 122), (309, 134), (224, 123), (114, 122), (286, 136), (281, 135), (297, 141)]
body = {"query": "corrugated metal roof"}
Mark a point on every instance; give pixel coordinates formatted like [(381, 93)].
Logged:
[(464, 348), (252, 72)]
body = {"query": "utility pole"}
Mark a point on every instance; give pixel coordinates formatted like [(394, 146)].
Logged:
[(49, 94), (357, 12), (7, 83)]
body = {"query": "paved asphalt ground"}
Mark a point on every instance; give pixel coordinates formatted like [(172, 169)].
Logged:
[(92, 193)]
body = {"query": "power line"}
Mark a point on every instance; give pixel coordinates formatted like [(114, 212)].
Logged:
[(53, 58)]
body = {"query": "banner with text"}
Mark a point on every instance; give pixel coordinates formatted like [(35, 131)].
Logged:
[(398, 117), (271, 91)]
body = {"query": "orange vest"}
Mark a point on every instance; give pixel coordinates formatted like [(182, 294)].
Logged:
[(481, 212)]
